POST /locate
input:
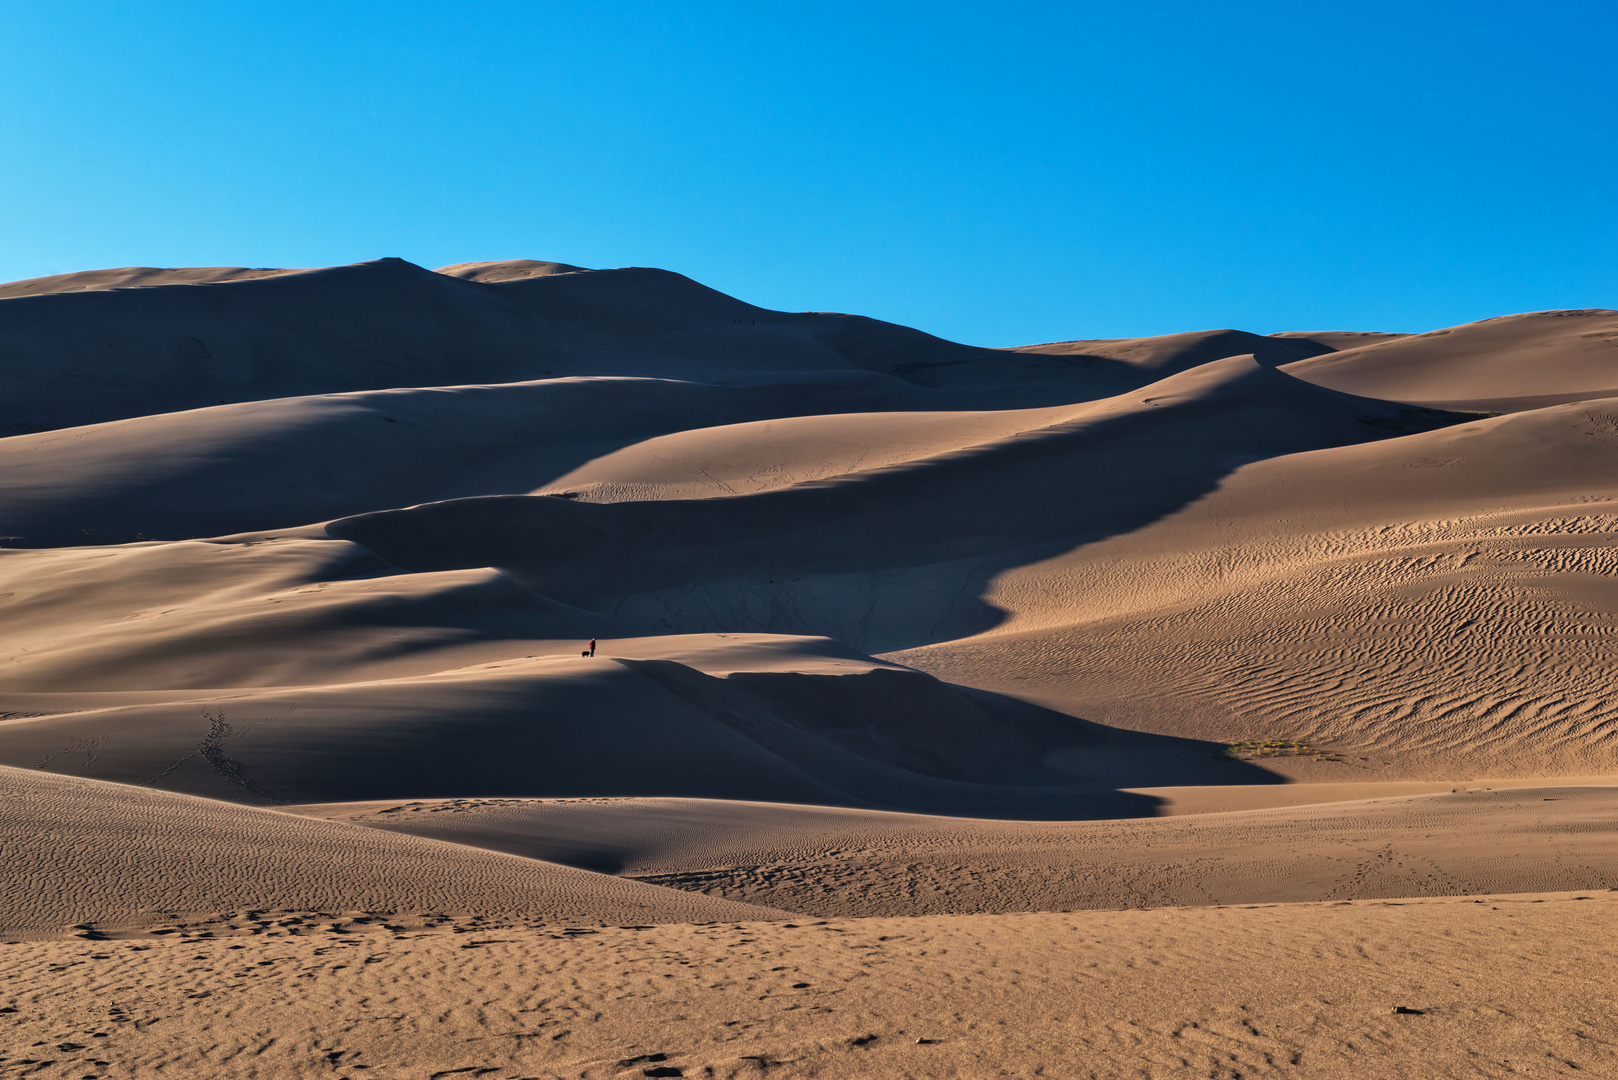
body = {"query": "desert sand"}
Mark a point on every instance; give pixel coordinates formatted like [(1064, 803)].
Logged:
[(1486, 986), (1170, 706)]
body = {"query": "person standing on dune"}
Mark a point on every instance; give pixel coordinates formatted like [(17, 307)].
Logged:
[(592, 646)]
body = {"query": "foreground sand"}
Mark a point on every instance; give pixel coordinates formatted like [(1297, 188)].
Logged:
[(1491, 986), (148, 933)]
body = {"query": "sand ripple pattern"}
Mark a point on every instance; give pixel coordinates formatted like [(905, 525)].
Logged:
[(1487, 644), (1491, 987)]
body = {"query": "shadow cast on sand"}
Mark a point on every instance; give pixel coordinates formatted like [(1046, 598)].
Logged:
[(896, 739), (887, 738), (895, 557)]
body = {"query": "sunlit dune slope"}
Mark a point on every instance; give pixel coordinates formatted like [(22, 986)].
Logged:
[(1498, 365), (889, 557), (844, 863), (1443, 604), (75, 851), (262, 465), (507, 270), (1340, 340), (133, 277)]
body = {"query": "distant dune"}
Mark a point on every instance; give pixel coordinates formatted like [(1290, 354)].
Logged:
[(1508, 364), (1151, 549), (886, 627), (132, 277)]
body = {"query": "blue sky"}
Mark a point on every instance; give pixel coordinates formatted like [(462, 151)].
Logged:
[(996, 173)]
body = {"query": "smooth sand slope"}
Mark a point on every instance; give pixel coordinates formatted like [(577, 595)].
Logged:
[(1168, 354), (82, 855), (260, 465), (838, 863), (1499, 365)]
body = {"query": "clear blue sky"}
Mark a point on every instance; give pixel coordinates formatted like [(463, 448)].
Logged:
[(998, 173)]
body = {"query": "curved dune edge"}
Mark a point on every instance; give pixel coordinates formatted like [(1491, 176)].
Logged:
[(1434, 606), (1506, 364), (87, 855), (839, 863)]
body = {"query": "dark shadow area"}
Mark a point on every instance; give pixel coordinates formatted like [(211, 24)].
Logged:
[(222, 350), (257, 467), (753, 562), (902, 740), (887, 739), (80, 358)]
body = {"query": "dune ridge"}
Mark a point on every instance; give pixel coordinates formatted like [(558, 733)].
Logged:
[(1505, 364)]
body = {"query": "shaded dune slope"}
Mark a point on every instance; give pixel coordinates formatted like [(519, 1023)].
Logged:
[(269, 464), (861, 733), (91, 356), (767, 561), (1167, 354)]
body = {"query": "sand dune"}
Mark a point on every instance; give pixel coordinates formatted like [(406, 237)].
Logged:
[(1498, 365), (922, 636), (1437, 603), (841, 863), (507, 270), (85, 855), (263, 465), (797, 723), (786, 561), (1340, 340), (93, 356), (1018, 551), (1171, 353), (133, 277)]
